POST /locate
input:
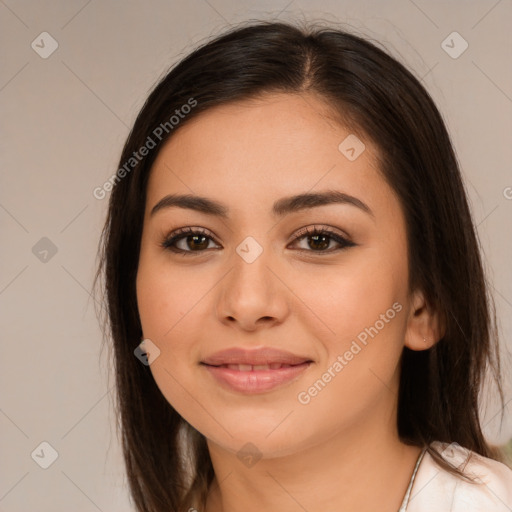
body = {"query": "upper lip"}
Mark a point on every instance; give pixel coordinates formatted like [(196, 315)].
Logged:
[(259, 356)]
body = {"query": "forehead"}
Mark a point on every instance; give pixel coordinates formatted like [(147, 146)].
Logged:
[(251, 152)]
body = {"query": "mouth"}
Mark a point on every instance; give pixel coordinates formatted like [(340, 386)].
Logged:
[(255, 367), (263, 356), (255, 371)]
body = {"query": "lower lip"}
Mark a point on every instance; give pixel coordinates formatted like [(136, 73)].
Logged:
[(256, 381)]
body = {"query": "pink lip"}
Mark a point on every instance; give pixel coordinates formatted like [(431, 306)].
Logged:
[(255, 380), (264, 355)]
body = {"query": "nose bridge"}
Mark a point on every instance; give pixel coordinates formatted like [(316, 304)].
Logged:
[(250, 291), (250, 269)]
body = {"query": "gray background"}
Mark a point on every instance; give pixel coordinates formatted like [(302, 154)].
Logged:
[(63, 122)]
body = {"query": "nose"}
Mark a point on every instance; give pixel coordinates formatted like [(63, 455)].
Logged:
[(252, 295)]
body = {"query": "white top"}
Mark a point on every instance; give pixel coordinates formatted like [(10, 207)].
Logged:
[(433, 489)]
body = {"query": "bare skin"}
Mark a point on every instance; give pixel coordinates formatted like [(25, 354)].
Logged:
[(338, 449)]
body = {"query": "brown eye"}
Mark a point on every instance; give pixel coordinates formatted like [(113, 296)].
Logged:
[(318, 240), (187, 240)]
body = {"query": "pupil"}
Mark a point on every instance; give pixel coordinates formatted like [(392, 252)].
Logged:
[(316, 238), (199, 245)]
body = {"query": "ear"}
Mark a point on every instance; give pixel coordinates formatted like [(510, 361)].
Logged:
[(425, 326)]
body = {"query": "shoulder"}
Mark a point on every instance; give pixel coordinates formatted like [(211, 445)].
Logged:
[(437, 489)]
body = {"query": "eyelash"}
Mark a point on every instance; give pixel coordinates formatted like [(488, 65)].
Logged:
[(169, 241)]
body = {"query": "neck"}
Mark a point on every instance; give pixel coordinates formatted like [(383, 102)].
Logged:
[(334, 475)]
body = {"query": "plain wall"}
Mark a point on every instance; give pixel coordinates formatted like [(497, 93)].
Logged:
[(63, 122)]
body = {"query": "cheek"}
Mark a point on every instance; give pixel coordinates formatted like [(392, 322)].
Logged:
[(358, 312), (165, 296), (169, 305), (174, 308), (343, 300), (366, 318)]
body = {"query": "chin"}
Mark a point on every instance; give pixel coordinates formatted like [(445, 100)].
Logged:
[(264, 436)]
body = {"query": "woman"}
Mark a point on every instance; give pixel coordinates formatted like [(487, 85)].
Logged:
[(289, 238)]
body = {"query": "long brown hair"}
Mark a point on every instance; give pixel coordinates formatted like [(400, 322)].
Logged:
[(373, 94)]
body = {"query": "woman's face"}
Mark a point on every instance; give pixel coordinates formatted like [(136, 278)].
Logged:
[(253, 279)]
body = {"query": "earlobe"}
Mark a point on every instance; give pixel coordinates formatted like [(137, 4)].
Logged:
[(424, 325)]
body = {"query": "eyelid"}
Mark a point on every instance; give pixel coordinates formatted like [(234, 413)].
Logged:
[(324, 228)]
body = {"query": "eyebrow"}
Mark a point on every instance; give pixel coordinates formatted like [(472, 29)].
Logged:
[(281, 207)]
